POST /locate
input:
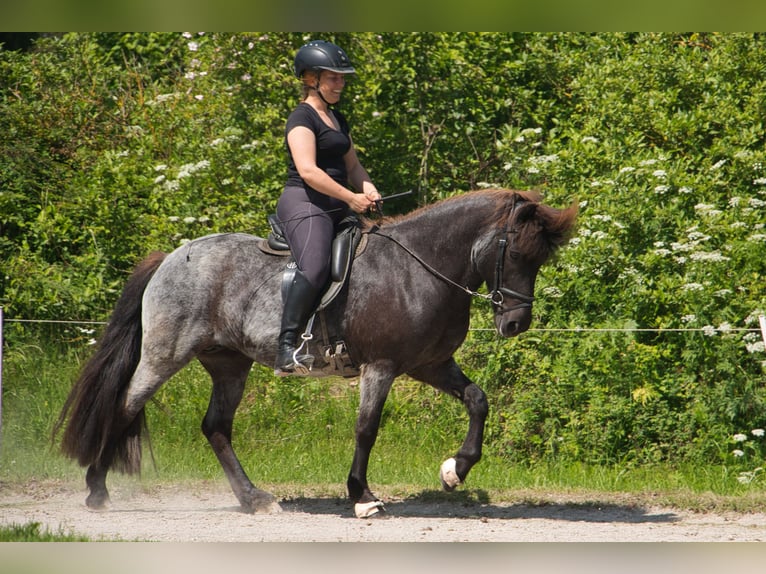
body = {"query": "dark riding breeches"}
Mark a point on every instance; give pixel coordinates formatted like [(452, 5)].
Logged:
[(308, 219)]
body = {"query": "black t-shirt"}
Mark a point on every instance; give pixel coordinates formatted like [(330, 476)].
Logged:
[(331, 144)]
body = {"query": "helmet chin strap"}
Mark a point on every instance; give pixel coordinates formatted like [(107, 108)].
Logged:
[(319, 93)]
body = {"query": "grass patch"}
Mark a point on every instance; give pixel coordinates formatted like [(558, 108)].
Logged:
[(32, 532)]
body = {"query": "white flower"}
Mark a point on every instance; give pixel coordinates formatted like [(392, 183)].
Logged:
[(739, 437), (160, 167), (190, 219), (708, 330), (714, 256), (193, 46), (758, 432), (704, 207), (738, 453), (627, 169), (173, 218), (552, 291), (724, 327), (659, 173), (717, 165)]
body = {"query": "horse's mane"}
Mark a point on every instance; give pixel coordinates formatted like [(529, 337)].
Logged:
[(541, 229)]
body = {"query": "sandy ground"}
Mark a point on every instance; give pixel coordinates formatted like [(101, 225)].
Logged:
[(193, 512)]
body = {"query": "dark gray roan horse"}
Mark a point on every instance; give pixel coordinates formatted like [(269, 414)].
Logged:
[(404, 310)]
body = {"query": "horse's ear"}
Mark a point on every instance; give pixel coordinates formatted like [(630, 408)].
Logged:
[(526, 211)]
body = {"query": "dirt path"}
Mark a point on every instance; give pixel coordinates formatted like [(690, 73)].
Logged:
[(204, 512)]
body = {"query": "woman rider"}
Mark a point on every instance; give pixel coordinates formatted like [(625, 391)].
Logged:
[(323, 168)]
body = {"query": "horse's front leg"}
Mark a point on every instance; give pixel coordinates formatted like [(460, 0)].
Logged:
[(375, 384), (448, 377)]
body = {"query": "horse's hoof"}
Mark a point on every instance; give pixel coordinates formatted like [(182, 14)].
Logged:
[(261, 502), (448, 475), (97, 501), (369, 509)]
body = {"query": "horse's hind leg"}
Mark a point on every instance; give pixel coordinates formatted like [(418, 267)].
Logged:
[(122, 447), (448, 377), (229, 370)]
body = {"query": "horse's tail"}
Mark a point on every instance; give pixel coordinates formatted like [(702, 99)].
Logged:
[(96, 432)]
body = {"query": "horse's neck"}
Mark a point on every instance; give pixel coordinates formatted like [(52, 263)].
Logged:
[(445, 238)]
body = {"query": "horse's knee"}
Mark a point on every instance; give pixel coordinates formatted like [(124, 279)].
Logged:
[(475, 401)]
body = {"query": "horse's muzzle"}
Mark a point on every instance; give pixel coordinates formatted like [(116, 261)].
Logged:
[(514, 322)]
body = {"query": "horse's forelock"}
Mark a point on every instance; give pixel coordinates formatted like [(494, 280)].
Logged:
[(541, 229)]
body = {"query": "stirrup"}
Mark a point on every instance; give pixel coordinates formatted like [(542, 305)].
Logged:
[(301, 365)]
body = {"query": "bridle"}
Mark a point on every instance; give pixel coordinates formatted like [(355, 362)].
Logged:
[(498, 293)]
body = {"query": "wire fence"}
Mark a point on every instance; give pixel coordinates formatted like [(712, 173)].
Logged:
[(762, 328)]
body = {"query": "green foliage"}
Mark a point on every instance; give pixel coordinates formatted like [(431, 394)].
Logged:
[(31, 532), (118, 144)]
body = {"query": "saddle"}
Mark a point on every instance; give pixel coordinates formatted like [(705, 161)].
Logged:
[(349, 242)]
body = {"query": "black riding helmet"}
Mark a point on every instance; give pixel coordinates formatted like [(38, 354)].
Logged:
[(320, 55)]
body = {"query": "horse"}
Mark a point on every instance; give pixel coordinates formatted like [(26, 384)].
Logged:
[(404, 310)]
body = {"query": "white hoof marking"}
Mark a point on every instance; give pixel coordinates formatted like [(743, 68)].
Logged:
[(367, 509), (448, 474)]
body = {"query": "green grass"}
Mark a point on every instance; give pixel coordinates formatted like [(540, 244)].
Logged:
[(31, 532), (296, 435)]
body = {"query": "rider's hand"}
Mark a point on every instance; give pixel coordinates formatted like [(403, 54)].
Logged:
[(370, 191), (359, 202)]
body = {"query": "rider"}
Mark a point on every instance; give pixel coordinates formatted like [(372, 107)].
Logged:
[(322, 169)]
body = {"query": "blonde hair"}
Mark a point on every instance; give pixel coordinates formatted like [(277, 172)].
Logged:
[(308, 81)]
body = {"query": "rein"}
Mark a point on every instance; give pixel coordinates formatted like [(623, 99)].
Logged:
[(499, 293)]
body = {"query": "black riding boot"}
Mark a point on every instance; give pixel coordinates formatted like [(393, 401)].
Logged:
[(299, 304)]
